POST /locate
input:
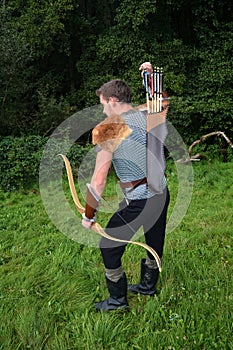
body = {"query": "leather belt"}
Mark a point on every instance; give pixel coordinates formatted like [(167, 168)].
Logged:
[(133, 184)]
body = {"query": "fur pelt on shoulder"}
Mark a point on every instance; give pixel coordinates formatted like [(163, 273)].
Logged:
[(110, 133)]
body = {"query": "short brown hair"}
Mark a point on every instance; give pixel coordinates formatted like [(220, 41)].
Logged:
[(115, 88)]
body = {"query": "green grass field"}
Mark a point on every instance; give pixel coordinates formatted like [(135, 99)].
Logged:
[(49, 283)]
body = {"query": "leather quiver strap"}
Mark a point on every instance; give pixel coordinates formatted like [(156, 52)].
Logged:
[(134, 183)]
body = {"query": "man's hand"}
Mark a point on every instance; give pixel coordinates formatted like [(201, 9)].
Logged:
[(86, 224), (146, 66)]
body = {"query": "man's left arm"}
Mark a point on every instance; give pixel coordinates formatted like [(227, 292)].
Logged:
[(96, 188)]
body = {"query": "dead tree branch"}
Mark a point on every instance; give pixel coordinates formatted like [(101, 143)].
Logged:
[(203, 138)]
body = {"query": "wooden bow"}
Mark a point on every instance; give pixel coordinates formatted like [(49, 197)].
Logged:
[(97, 227)]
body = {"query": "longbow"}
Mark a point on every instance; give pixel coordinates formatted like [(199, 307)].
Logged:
[(97, 227)]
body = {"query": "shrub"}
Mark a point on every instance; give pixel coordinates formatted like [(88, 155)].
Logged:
[(20, 159)]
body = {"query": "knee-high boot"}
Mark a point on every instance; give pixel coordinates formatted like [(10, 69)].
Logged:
[(148, 280), (118, 295)]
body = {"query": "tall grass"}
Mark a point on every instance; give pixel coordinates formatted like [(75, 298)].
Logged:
[(49, 283)]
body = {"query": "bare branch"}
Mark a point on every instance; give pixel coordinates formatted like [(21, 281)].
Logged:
[(203, 138)]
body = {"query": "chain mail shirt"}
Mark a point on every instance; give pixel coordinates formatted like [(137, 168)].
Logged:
[(129, 160)]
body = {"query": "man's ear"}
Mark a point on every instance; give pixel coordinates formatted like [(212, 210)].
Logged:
[(113, 99)]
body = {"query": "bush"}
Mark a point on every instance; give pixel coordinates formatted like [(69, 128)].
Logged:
[(20, 159)]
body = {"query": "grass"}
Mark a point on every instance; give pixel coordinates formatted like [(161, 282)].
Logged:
[(49, 283)]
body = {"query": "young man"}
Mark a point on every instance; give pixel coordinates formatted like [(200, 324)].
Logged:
[(123, 144)]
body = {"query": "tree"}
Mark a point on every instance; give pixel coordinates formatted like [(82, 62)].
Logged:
[(38, 61), (55, 54)]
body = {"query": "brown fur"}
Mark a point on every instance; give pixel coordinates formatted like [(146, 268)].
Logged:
[(110, 133)]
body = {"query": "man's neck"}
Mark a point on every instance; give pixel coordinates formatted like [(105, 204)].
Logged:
[(120, 108)]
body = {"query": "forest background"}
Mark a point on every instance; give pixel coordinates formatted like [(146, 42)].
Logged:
[(55, 54)]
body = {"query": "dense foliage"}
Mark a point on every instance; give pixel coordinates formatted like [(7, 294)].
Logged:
[(54, 54), (20, 159)]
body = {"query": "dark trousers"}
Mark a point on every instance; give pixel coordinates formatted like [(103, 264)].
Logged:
[(150, 213)]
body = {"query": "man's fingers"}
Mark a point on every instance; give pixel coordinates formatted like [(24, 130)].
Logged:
[(86, 224), (145, 65)]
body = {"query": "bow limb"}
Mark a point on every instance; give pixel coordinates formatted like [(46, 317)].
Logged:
[(79, 206), (97, 227)]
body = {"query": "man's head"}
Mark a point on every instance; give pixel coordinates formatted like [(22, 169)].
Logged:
[(115, 96), (116, 89)]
